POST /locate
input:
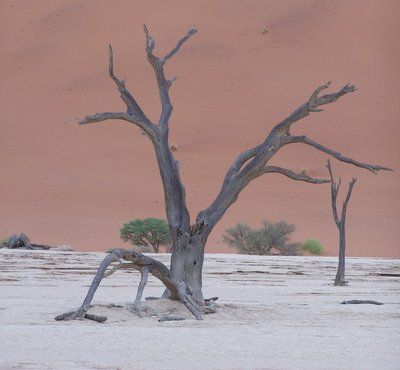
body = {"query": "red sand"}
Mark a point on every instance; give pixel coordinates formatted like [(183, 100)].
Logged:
[(65, 184)]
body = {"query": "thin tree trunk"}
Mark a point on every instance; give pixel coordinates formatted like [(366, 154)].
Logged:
[(340, 275), (340, 223)]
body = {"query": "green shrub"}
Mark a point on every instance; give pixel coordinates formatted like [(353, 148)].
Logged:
[(3, 242), (147, 234), (271, 238), (312, 246)]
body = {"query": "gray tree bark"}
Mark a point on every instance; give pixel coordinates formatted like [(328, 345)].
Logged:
[(340, 223), (189, 240)]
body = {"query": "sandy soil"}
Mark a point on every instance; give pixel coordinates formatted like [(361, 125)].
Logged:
[(273, 313), (65, 184)]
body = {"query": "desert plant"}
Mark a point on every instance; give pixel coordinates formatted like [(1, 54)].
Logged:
[(3, 242), (313, 246), (147, 234), (271, 238)]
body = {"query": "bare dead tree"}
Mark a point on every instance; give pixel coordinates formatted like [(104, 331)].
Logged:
[(21, 241), (340, 222), (189, 239)]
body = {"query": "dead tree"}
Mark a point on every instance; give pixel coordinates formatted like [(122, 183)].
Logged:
[(340, 223), (21, 241), (189, 238)]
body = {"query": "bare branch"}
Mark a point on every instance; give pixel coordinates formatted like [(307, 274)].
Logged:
[(149, 41), (133, 107), (191, 32), (143, 280), (103, 116), (334, 193), (316, 92), (158, 67), (305, 140), (312, 106), (346, 201), (292, 175), (331, 98), (120, 266), (244, 157)]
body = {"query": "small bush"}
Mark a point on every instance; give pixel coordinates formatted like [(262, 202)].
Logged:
[(3, 242), (271, 238), (312, 246)]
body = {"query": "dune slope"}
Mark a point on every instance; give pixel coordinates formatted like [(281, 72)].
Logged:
[(250, 65)]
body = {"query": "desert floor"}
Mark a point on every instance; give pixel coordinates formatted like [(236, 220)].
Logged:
[(273, 313), (250, 65)]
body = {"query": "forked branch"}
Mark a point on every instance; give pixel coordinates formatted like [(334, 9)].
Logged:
[(158, 67), (312, 106), (252, 163), (334, 193), (134, 114)]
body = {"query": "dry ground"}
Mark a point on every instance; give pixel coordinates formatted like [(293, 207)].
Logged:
[(274, 313)]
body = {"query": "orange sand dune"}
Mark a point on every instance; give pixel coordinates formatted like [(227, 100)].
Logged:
[(65, 184)]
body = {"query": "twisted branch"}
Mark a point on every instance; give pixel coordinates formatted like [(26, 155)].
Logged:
[(145, 265)]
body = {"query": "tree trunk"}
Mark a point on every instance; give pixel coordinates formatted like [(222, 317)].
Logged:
[(187, 264), (339, 280), (340, 223)]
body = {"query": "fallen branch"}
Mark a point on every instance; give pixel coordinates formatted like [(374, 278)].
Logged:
[(87, 316), (146, 265), (358, 301), (170, 318)]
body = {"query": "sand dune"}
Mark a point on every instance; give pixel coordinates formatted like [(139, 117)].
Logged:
[(64, 184), (273, 313)]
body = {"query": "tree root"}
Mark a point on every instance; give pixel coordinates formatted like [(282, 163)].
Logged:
[(145, 265)]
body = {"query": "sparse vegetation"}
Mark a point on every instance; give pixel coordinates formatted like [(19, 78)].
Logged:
[(3, 242), (271, 238), (312, 246), (147, 235)]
